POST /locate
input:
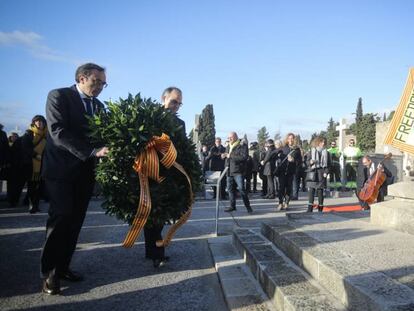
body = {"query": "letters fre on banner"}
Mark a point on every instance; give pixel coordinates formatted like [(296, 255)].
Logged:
[(401, 131)]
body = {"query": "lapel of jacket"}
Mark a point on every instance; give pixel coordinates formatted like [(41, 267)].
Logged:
[(78, 100)]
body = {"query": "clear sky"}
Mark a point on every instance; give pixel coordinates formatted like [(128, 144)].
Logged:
[(286, 65)]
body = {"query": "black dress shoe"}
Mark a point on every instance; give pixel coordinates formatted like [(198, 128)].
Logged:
[(159, 262), (33, 209), (71, 276), (230, 209), (51, 285)]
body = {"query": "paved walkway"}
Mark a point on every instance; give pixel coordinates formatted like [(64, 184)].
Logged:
[(118, 278)]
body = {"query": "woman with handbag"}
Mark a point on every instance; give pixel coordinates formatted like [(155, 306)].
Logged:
[(318, 168)]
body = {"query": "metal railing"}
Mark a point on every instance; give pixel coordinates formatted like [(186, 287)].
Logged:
[(218, 196)]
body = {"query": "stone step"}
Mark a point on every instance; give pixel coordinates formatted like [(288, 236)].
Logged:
[(285, 284), (403, 190), (366, 267), (241, 290), (397, 214)]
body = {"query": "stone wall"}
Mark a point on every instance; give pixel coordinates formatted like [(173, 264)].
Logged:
[(380, 133)]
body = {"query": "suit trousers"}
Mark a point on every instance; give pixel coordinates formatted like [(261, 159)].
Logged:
[(152, 235), (68, 202)]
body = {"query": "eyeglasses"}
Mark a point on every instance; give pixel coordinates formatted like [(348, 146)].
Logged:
[(175, 102), (98, 82)]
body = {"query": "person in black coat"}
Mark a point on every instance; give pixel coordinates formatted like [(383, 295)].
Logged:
[(369, 172), (4, 157), (236, 156), (290, 155), (68, 169), (217, 164), (268, 167), (21, 153), (254, 155), (318, 166), (171, 99)]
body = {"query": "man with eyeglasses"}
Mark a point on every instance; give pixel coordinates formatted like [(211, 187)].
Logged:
[(171, 99), (369, 172), (68, 169)]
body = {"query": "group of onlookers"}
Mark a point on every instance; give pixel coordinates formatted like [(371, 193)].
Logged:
[(283, 167), (278, 166), (20, 163)]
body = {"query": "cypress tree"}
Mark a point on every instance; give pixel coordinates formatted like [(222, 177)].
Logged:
[(358, 129), (366, 139), (207, 130)]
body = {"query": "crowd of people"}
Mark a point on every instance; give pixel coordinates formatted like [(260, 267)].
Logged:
[(285, 168), (21, 158), (56, 159)]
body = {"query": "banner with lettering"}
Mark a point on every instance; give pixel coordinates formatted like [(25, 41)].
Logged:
[(401, 131)]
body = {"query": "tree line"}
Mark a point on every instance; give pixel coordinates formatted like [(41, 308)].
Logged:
[(363, 128)]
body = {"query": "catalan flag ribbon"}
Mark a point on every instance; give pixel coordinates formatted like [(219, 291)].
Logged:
[(401, 131), (147, 165)]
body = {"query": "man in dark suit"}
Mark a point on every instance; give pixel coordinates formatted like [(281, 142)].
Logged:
[(68, 170), (370, 168), (171, 99), (268, 164)]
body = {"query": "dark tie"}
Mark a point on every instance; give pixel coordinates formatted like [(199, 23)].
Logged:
[(89, 102)]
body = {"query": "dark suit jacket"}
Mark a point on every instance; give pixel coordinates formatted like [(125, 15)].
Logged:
[(68, 149), (269, 161), (217, 163), (237, 160), (387, 173)]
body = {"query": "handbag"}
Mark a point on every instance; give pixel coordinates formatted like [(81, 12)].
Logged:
[(310, 175)]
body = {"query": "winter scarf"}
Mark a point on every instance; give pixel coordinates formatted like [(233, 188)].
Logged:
[(320, 157)]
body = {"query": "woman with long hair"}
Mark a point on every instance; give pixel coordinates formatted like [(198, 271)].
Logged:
[(289, 157), (318, 169)]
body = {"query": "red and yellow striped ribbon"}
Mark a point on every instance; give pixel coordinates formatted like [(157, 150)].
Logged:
[(147, 166)]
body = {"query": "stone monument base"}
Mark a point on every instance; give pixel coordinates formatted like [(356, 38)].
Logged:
[(397, 213)]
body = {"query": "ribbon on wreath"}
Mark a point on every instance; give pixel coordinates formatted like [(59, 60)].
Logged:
[(147, 165)]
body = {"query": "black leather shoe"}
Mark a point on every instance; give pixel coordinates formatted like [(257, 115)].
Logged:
[(71, 276), (33, 209), (159, 262), (249, 210), (230, 209), (51, 285)]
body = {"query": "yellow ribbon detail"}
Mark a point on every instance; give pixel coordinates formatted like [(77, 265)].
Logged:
[(147, 166)]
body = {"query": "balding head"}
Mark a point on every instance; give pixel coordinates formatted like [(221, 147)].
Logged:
[(233, 137)]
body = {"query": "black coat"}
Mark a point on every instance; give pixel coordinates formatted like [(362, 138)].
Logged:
[(237, 160), (4, 149), (217, 163), (69, 150), (286, 167), (269, 161)]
